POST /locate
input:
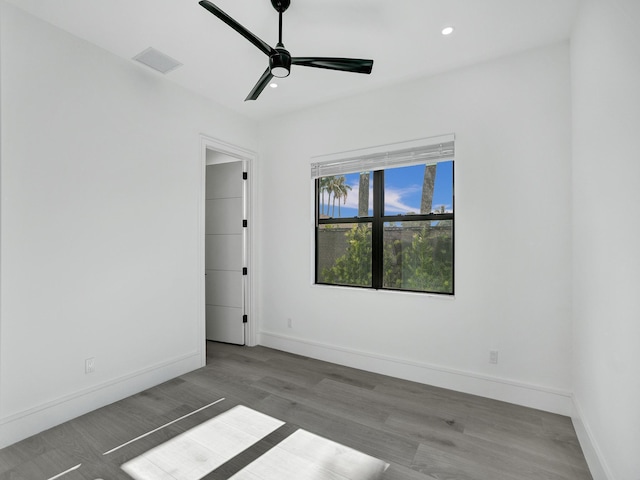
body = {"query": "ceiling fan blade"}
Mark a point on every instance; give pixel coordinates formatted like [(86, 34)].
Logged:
[(237, 27), (355, 65), (263, 82)]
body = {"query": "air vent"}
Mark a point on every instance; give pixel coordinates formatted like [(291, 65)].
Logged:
[(157, 60)]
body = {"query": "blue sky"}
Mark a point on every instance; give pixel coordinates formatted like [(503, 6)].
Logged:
[(403, 190)]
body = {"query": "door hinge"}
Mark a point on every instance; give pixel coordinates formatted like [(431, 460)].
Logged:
[(245, 318), (245, 175), (245, 270), (245, 223)]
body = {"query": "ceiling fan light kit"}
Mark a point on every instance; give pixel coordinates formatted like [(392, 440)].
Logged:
[(280, 59), (280, 62)]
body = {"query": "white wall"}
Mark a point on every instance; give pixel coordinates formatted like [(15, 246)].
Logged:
[(101, 178), (512, 119), (605, 51)]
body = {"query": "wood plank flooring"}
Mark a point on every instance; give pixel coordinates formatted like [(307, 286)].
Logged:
[(423, 432)]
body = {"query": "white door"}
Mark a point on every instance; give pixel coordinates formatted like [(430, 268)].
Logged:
[(225, 246)]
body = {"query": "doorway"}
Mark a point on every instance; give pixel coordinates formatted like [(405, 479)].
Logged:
[(226, 289), (225, 248)]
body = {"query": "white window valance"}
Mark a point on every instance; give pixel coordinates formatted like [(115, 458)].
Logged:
[(416, 152)]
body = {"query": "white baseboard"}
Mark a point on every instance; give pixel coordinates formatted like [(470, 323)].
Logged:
[(592, 453), (29, 422), (506, 390)]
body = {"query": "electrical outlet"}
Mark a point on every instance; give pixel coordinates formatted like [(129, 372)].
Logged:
[(289, 323), (90, 365), (493, 356)]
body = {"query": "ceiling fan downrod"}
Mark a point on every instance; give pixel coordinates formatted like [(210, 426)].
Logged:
[(280, 60)]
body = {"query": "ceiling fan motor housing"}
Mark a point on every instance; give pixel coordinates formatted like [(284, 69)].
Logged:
[(280, 62), (280, 5)]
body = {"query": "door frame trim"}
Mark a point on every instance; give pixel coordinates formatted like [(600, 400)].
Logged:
[(211, 143)]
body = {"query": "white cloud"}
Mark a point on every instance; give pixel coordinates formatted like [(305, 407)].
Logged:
[(394, 200)]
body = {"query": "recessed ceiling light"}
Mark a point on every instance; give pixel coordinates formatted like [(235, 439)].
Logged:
[(447, 30), (273, 85)]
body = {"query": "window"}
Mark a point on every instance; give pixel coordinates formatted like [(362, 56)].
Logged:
[(390, 226)]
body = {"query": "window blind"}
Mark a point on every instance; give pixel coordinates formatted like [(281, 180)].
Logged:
[(417, 152)]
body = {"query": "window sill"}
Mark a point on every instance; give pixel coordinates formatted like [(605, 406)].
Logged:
[(367, 290)]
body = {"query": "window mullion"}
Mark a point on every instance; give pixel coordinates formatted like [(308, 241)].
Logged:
[(377, 230), (317, 218)]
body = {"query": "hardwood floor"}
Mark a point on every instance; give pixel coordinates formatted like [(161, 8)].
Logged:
[(423, 432)]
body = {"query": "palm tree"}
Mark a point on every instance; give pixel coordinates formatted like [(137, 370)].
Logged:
[(328, 185), (427, 189), (324, 187), (331, 190), (334, 187), (363, 194), (341, 191)]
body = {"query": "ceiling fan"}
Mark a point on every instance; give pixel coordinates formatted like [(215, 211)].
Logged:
[(280, 60)]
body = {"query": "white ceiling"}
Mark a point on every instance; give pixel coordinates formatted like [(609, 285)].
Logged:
[(401, 36)]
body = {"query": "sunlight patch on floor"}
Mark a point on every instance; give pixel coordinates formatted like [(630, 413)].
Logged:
[(197, 452), (305, 456)]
